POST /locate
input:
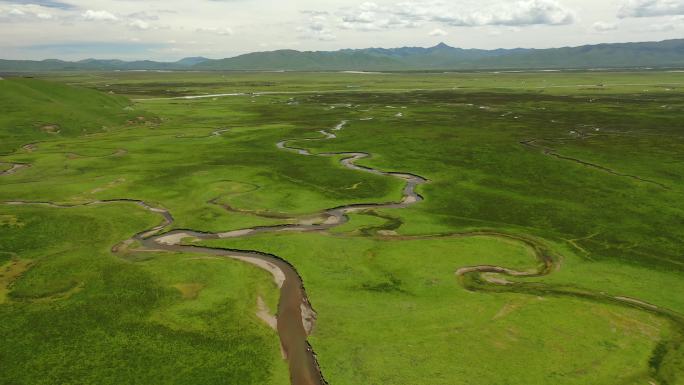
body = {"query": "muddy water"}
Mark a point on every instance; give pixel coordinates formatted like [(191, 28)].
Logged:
[(290, 323)]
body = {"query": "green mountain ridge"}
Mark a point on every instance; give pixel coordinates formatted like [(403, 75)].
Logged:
[(668, 53), (96, 65)]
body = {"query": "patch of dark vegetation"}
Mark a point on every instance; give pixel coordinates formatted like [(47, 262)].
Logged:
[(136, 257), (658, 355), (667, 360), (5, 257), (391, 224), (392, 284), (178, 89)]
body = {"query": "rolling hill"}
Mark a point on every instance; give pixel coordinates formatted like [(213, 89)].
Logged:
[(33, 110), (96, 65)]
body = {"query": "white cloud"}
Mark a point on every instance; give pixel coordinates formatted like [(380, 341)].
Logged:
[(24, 12), (372, 17), (317, 28), (144, 16), (603, 26), (438, 32), (651, 8), (92, 15), (518, 13), (224, 31), (141, 21), (369, 6), (408, 14), (666, 26), (139, 24)]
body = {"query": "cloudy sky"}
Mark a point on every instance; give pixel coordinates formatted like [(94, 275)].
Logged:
[(172, 29)]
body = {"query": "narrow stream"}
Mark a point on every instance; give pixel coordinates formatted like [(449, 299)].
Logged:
[(295, 317)]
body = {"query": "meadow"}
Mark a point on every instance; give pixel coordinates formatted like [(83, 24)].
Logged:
[(582, 167)]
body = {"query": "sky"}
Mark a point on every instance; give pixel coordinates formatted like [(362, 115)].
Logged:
[(172, 29)]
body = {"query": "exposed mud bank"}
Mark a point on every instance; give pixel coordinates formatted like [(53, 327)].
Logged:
[(15, 168)]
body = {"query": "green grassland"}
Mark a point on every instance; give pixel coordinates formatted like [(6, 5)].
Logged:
[(78, 314), (407, 320), (587, 164), (170, 84)]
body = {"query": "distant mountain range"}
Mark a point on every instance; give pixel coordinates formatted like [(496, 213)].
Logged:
[(668, 53), (96, 65)]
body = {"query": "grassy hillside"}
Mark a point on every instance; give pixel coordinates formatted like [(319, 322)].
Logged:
[(34, 110)]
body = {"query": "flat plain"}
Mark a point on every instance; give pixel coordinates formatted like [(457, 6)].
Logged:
[(541, 243)]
